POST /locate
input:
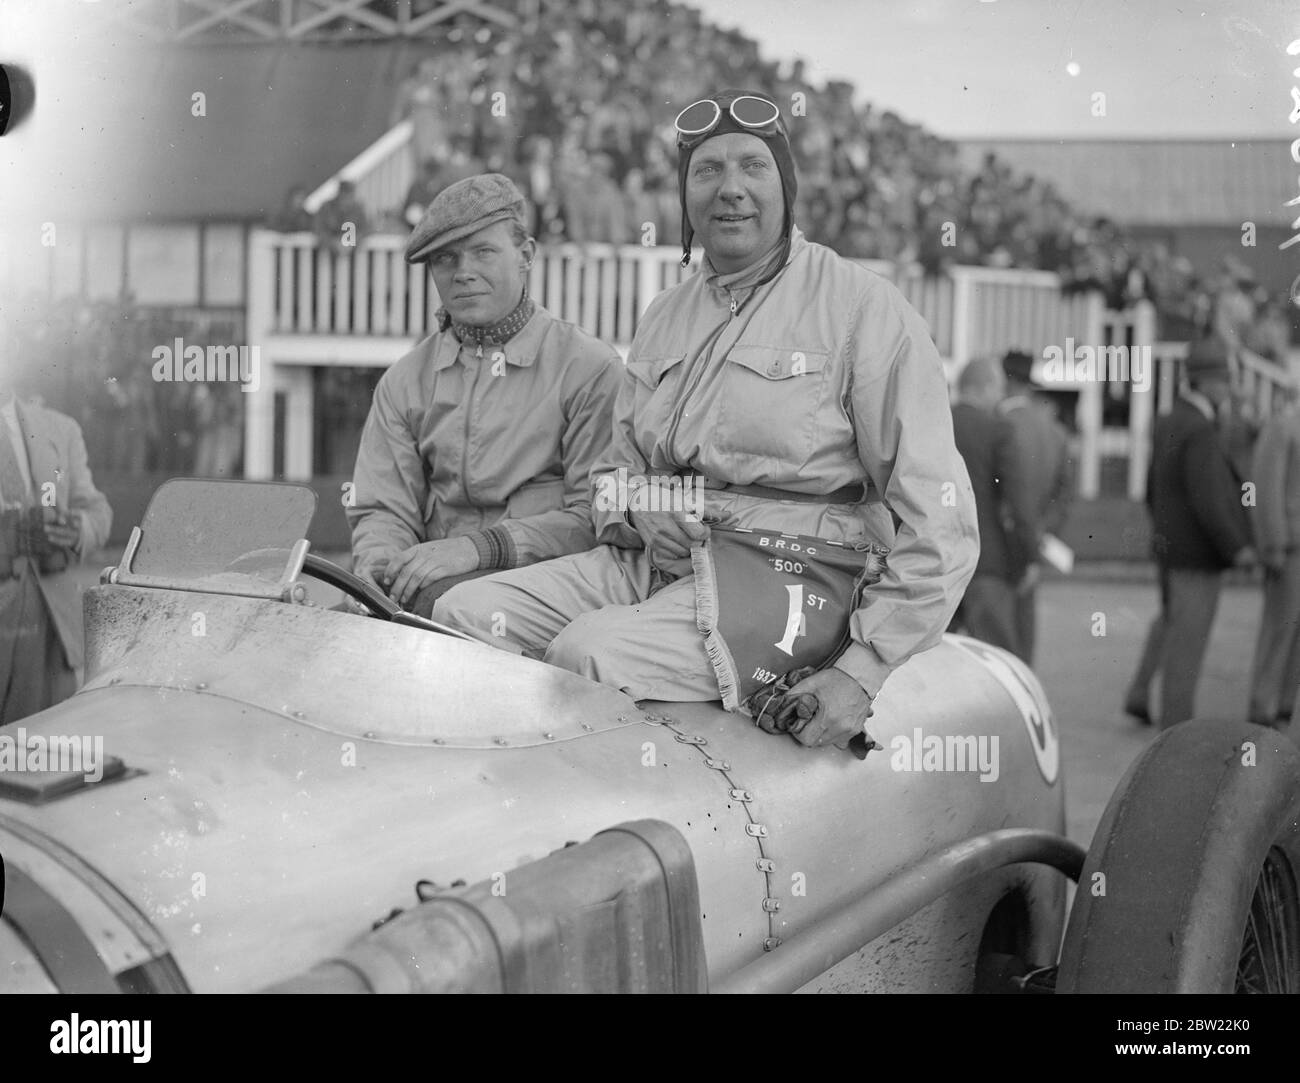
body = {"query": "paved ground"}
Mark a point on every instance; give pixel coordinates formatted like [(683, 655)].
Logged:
[(1085, 674), (1085, 677)]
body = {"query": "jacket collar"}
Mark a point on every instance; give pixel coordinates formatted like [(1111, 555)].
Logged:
[(738, 285), (520, 350)]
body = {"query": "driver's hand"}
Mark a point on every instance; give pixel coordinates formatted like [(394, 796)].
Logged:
[(426, 563), (668, 537), (843, 708)]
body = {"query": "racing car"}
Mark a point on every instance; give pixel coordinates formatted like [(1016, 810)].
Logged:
[(286, 796)]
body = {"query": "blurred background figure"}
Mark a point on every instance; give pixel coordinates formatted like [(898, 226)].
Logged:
[(51, 518), (1200, 529), (335, 216), (420, 98), (1002, 504), (459, 162), (421, 193), (1276, 671), (1040, 447), (294, 217), (1234, 311), (1270, 333)]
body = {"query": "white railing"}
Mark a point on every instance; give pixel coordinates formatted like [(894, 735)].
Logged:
[(383, 174), (996, 309), (1257, 380), (310, 305)]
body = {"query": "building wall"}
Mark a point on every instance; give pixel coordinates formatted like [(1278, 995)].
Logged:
[(190, 264), (1206, 246)]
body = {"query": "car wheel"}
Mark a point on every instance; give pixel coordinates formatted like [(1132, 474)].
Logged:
[(1191, 881)]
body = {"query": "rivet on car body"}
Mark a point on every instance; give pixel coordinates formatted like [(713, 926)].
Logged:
[(765, 864), (299, 714), (586, 727), (369, 735), (741, 795), (200, 686), (717, 765), (759, 831), (771, 943), (499, 741), (771, 905), (549, 736)]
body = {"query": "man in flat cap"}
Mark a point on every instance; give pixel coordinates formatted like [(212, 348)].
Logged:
[(806, 396), (1199, 529), (1041, 448), (479, 443)]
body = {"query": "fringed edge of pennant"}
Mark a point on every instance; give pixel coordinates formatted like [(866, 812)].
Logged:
[(706, 620)]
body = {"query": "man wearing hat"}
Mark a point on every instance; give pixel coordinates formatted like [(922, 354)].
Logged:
[(1199, 529), (52, 518), (479, 443), (803, 395), (1040, 446)]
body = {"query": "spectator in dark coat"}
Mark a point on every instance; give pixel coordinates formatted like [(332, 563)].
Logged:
[(1200, 529), (293, 217), (1276, 673), (341, 223), (421, 193), (1041, 449), (1002, 506)]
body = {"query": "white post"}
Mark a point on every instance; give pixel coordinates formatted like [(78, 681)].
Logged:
[(299, 413), (1089, 411), (647, 280), (259, 405), (961, 317), (1141, 401)]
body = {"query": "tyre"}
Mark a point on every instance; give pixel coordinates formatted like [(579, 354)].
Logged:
[(1190, 885)]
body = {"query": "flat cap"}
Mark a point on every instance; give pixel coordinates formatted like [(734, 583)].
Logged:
[(1207, 357), (464, 208)]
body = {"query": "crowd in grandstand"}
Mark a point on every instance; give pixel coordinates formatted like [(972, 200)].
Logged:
[(573, 106)]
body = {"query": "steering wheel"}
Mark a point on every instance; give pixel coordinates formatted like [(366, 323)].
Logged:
[(379, 604)]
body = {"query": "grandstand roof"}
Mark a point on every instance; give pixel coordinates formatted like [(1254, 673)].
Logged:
[(1199, 182), (277, 115)]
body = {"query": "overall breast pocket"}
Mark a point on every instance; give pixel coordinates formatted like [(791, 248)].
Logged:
[(772, 397), (658, 379), (651, 370)]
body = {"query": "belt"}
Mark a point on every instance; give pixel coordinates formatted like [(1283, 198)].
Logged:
[(856, 493)]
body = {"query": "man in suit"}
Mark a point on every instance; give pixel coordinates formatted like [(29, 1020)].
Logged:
[(1200, 528), (1276, 473), (1040, 448), (1008, 540), (51, 517)]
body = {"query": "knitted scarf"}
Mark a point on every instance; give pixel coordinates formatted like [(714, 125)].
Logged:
[(494, 335)]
